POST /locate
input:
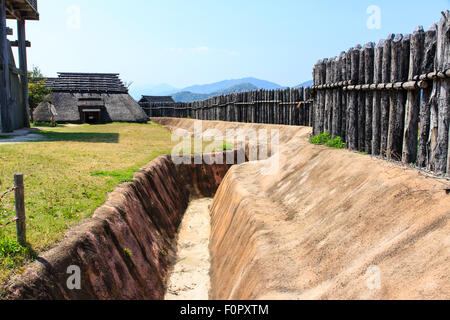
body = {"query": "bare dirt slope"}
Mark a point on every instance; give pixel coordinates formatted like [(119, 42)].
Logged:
[(189, 277), (329, 224)]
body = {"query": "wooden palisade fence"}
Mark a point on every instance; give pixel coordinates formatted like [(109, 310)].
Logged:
[(289, 106), (389, 99)]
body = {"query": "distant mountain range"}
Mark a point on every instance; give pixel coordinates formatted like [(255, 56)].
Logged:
[(202, 92), (305, 84), (224, 85), (187, 96)]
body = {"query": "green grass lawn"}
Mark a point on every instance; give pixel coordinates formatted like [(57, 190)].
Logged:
[(66, 178)]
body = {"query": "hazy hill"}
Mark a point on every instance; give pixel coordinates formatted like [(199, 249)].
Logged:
[(198, 92), (224, 85), (187, 96), (305, 84)]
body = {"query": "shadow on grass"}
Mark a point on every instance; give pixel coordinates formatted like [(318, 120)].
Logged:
[(90, 137)]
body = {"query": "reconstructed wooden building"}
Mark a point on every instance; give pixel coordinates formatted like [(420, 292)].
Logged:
[(90, 98), (14, 108), (147, 102)]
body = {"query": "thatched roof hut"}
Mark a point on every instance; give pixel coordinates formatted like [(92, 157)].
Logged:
[(147, 102), (90, 98)]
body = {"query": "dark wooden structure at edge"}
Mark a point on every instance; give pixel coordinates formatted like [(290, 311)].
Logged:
[(20, 10)]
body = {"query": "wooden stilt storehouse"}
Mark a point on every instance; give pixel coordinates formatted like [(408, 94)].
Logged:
[(148, 103), (14, 108)]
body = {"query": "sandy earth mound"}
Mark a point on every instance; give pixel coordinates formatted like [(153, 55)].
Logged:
[(329, 224)]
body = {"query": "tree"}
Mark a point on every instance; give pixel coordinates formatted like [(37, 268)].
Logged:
[(37, 90)]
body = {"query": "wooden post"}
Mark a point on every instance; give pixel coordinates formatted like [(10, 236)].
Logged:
[(20, 209), (439, 131), (352, 130), (344, 73), (361, 103), (376, 106), (307, 97), (369, 79), (302, 114), (337, 104), (315, 107), (24, 70), (5, 117), (396, 56), (410, 138), (385, 101), (322, 75), (328, 96)]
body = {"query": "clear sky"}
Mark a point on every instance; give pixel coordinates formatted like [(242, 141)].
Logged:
[(186, 42)]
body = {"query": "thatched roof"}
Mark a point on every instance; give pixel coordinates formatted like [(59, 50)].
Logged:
[(156, 99), (72, 94), (87, 82)]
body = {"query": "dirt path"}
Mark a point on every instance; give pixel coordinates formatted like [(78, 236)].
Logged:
[(189, 279)]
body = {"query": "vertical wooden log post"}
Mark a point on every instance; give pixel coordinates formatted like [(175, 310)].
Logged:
[(369, 56), (337, 105), (315, 106), (301, 121), (260, 105), (344, 76), (307, 97), (301, 117), (20, 209), (236, 108), (23, 69), (5, 116), (293, 111), (323, 80), (328, 96), (280, 106), (247, 109), (256, 106), (284, 99), (243, 108), (293, 108), (376, 106), (285, 106), (385, 95), (439, 131), (321, 97), (352, 115), (253, 106), (410, 138), (427, 66), (361, 103), (270, 106), (287, 110), (392, 151), (264, 98), (334, 102)]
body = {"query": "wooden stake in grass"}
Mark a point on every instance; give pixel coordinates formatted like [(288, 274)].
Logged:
[(20, 209)]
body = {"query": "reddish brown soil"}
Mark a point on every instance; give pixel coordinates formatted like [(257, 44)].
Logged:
[(330, 224), (126, 249)]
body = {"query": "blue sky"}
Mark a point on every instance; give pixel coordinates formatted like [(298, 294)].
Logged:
[(183, 42)]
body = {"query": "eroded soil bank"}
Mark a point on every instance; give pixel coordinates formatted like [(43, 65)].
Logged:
[(126, 249), (189, 278), (328, 224)]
